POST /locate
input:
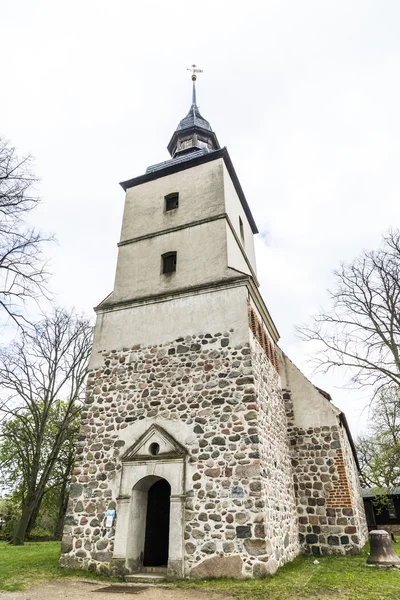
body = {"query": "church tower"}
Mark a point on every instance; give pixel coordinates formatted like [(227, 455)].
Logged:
[(196, 456)]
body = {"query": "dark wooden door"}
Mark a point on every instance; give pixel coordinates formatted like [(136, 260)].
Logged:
[(157, 525)]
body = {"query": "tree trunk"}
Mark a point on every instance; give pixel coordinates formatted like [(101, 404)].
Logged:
[(64, 494), (64, 497), (23, 523), (32, 520), (20, 530)]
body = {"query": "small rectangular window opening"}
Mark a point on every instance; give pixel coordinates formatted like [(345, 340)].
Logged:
[(186, 143), (169, 262), (241, 230), (391, 509), (171, 201)]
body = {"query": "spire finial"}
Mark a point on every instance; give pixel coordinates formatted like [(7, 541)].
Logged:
[(194, 70)]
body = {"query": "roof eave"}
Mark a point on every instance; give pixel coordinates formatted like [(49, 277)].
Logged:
[(345, 424), (239, 191)]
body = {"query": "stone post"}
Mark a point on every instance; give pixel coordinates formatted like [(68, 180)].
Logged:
[(122, 515), (175, 560)]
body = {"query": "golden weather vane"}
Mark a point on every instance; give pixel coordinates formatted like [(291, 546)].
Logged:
[(194, 71)]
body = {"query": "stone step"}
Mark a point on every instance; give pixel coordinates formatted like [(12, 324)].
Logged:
[(160, 570), (145, 578)]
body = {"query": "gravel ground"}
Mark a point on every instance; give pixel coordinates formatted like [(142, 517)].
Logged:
[(85, 590)]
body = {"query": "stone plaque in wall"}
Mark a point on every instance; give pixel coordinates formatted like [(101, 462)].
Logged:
[(237, 492)]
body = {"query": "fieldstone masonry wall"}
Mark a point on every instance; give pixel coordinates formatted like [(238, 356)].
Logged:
[(239, 505), (257, 488), (329, 501), (281, 527)]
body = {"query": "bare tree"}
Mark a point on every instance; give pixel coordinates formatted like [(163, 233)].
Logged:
[(38, 371), (22, 271), (379, 448), (362, 329)]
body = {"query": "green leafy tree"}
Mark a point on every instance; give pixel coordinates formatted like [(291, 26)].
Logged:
[(379, 448), (43, 374), (10, 513), (16, 457)]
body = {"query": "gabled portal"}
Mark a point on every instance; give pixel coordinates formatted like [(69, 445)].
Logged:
[(150, 504), (154, 444)]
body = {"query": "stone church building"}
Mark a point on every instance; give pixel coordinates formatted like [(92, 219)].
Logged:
[(203, 451)]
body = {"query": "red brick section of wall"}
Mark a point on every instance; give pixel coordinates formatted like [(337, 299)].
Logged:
[(340, 496), (262, 337)]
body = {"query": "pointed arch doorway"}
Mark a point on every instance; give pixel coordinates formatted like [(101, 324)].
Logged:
[(156, 540)]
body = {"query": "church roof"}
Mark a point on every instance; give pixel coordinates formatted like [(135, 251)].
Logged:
[(178, 160), (194, 132), (376, 491), (343, 420), (194, 119)]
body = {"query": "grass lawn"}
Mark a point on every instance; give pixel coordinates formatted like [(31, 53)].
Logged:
[(334, 578), (21, 566)]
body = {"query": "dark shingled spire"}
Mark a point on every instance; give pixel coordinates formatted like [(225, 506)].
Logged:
[(194, 117), (193, 132)]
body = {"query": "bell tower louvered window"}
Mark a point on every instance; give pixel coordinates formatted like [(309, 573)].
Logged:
[(169, 262), (171, 201)]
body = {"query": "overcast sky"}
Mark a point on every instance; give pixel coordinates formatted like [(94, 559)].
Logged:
[(305, 94)]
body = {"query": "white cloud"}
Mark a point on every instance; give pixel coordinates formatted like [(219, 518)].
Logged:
[(304, 94)]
